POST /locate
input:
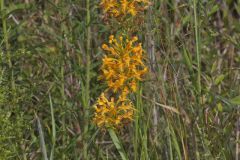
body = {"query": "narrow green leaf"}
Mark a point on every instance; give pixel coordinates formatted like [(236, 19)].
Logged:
[(214, 67), (175, 142), (118, 144), (213, 10), (53, 128), (220, 107), (187, 60), (42, 141), (235, 100), (15, 7), (219, 79)]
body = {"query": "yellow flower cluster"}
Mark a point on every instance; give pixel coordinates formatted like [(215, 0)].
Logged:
[(116, 8), (121, 69), (111, 113), (123, 65)]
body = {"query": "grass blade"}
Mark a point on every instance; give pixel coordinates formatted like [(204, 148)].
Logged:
[(197, 40), (42, 141), (53, 128), (118, 144)]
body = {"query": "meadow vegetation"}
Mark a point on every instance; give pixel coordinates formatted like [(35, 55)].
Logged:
[(176, 95)]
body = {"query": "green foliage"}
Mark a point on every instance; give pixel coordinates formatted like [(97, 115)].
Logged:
[(12, 131), (187, 105), (13, 127)]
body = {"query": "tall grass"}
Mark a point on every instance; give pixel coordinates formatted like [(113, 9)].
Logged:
[(187, 106), (87, 89)]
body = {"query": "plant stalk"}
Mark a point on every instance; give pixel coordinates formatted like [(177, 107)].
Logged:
[(87, 86), (197, 40)]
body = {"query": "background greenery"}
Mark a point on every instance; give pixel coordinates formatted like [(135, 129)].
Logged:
[(188, 106)]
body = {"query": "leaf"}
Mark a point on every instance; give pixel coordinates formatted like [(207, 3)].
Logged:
[(220, 107), (235, 100), (187, 60), (53, 128), (118, 144), (13, 8), (42, 141), (186, 19), (219, 79), (214, 67), (214, 10)]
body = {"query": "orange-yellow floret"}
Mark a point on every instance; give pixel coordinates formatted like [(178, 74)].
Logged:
[(111, 113), (116, 8), (123, 64), (122, 67)]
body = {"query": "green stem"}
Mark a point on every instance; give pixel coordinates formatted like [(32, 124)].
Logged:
[(137, 128), (62, 87), (198, 85), (63, 103), (197, 37), (117, 144), (87, 86)]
